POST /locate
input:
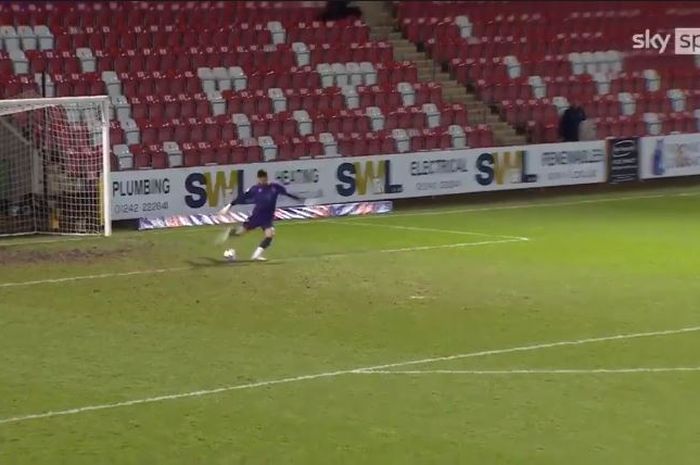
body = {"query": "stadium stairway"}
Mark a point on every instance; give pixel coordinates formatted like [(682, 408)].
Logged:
[(383, 26)]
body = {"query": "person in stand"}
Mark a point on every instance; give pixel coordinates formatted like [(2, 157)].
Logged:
[(570, 121), (337, 10)]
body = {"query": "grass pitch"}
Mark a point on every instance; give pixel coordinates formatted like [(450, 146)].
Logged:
[(146, 348)]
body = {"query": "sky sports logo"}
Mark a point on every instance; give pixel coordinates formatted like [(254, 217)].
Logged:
[(686, 41)]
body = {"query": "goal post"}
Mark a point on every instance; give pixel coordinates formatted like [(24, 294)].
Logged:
[(55, 166)]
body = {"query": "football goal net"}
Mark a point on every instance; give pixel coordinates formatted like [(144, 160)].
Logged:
[(54, 166)]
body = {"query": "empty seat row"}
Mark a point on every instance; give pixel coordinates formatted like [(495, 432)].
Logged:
[(72, 85), (443, 52), (640, 60), (518, 113), (191, 130), (308, 76), (484, 11), (162, 59), (423, 29), (130, 14), (523, 90), (497, 68), (259, 102), (191, 58), (6, 66), (533, 28), (170, 106), (329, 32), (141, 84), (221, 153), (354, 145), (12, 86), (153, 156), (392, 96), (231, 35), (176, 38), (637, 126), (65, 62), (343, 52)]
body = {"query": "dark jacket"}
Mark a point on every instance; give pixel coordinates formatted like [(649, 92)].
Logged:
[(570, 120), (337, 10)]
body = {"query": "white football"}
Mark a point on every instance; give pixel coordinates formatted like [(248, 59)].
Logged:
[(230, 254)]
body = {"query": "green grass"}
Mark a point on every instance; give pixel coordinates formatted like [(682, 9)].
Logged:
[(329, 301)]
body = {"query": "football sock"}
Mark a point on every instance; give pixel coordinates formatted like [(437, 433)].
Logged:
[(264, 244), (258, 252)]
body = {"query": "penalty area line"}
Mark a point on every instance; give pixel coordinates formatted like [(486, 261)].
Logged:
[(565, 371), (332, 374), (530, 348), (432, 230), (68, 279)]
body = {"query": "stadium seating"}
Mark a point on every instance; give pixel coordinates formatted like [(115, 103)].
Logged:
[(198, 83), (530, 60), (218, 82)]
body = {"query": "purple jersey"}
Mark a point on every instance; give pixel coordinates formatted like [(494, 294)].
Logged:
[(264, 196)]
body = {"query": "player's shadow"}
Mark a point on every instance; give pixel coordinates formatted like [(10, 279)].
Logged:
[(209, 262)]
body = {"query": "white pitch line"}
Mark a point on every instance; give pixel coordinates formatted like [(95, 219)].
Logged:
[(448, 246), (289, 259), (10, 243), (92, 276), (331, 374), (149, 400), (536, 347), (407, 249), (532, 205), (433, 230), (531, 372)]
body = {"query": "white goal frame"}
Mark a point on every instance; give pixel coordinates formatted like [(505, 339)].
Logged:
[(101, 102)]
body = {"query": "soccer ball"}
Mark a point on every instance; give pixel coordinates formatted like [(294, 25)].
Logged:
[(230, 254)]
